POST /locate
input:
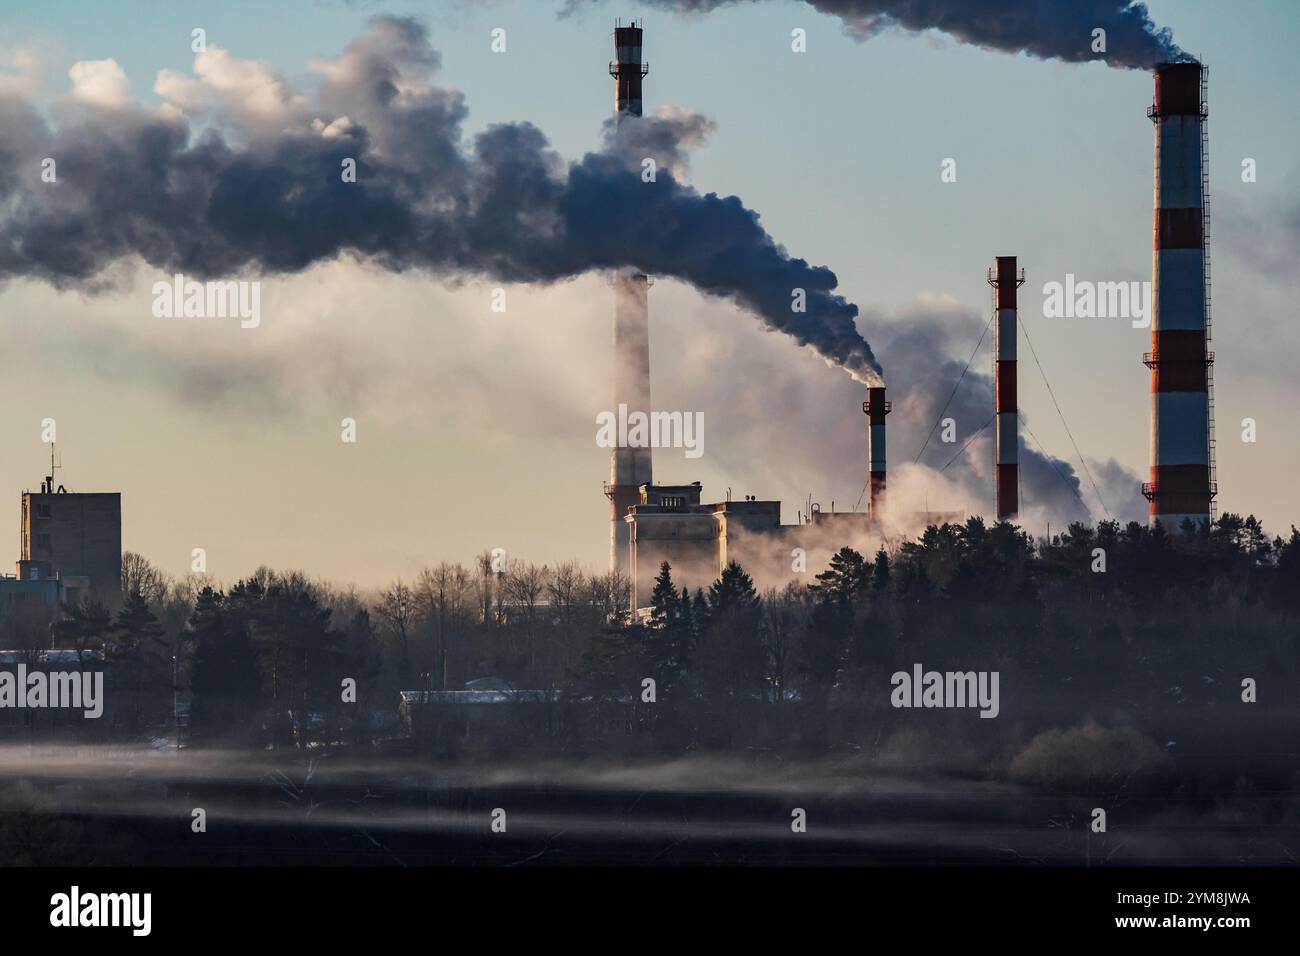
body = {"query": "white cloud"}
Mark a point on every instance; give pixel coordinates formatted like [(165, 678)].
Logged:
[(249, 93), (100, 83), (22, 71)]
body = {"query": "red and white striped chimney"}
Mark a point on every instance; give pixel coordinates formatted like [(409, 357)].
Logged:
[(629, 468), (1181, 484), (876, 409), (627, 69), (1005, 280)]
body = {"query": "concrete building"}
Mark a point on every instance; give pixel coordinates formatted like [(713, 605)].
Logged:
[(25, 600), (74, 538), (670, 523)]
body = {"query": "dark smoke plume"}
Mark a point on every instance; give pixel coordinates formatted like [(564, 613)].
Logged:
[(926, 351), (260, 189), (1047, 29)]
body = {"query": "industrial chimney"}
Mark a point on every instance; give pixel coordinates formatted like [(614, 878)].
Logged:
[(1005, 281), (627, 69), (1182, 431), (876, 408), (629, 467)]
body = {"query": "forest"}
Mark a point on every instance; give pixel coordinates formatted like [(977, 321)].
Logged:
[(1120, 627)]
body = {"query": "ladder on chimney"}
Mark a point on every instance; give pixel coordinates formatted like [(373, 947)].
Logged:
[(1205, 251)]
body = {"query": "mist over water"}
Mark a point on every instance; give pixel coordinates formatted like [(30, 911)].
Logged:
[(900, 806)]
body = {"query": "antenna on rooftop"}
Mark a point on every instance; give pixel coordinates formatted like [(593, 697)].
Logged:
[(56, 464)]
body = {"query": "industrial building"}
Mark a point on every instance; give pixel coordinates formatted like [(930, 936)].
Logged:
[(651, 524), (26, 600), (699, 539), (72, 538), (670, 523)]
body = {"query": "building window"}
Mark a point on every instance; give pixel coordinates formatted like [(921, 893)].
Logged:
[(42, 509), (42, 542), (673, 501)]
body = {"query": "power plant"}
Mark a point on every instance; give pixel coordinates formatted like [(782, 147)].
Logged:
[(1182, 485), (650, 523)]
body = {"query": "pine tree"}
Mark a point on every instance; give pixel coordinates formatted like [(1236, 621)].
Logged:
[(1286, 591), (224, 675), (731, 655), (686, 620), (732, 591), (663, 599), (301, 654), (846, 577), (142, 664), (826, 644), (880, 575), (663, 633), (700, 610), (84, 625)]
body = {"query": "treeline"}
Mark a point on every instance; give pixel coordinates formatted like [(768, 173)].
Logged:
[(1124, 624), (1097, 621)]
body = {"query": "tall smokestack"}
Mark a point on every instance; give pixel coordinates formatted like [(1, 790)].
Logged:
[(627, 69), (629, 468), (876, 409), (1005, 281), (1182, 437)]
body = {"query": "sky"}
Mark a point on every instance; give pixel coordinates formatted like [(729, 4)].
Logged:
[(475, 428)]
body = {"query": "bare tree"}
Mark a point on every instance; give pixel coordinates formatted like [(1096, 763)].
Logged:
[(566, 594), (139, 576), (396, 612), (524, 585), (610, 595), (442, 596), (785, 615), (486, 585)]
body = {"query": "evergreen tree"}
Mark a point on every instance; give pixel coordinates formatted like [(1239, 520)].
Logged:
[(825, 646), (664, 636), (84, 625), (301, 654), (880, 573), (700, 611), (224, 674), (733, 591), (686, 620), (731, 656), (846, 577), (1286, 590), (142, 666), (663, 599)]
